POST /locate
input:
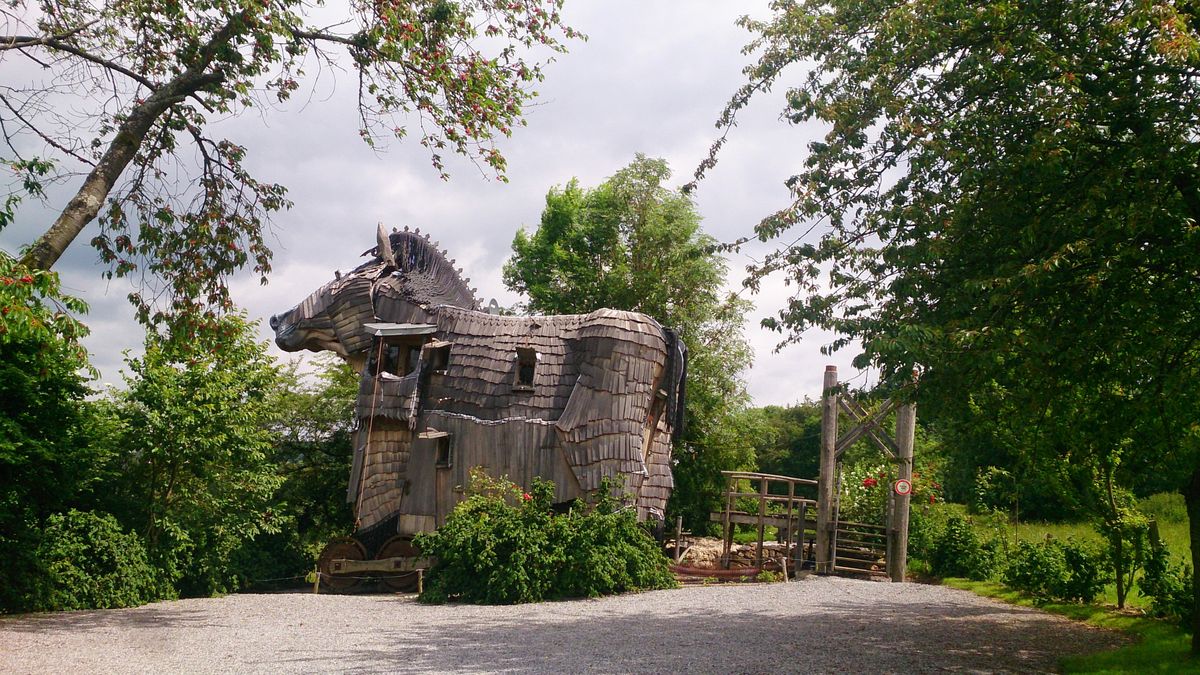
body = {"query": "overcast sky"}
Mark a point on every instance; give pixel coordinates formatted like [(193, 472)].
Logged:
[(652, 78)]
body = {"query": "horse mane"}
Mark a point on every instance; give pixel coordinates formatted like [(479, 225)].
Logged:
[(424, 272)]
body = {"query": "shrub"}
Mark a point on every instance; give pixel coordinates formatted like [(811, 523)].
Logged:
[(1168, 586), (995, 490), (91, 563), (958, 551), (1054, 570), (503, 546)]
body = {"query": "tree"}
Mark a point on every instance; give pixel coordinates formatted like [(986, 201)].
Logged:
[(49, 461), (197, 483), (634, 244), (177, 207), (312, 421), (1010, 194), (793, 445)]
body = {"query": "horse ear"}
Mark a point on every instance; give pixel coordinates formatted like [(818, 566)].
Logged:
[(385, 247)]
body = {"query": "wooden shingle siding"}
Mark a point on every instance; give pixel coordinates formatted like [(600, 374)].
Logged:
[(586, 416)]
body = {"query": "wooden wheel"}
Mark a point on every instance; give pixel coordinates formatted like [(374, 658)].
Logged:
[(346, 548), (399, 546)]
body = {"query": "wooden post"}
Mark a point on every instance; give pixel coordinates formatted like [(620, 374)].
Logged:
[(791, 530), (678, 537), (762, 514), (906, 423), (798, 555), (827, 478), (317, 579), (726, 533)]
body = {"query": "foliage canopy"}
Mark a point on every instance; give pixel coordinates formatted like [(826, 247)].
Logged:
[(633, 243), (126, 93), (1007, 196)]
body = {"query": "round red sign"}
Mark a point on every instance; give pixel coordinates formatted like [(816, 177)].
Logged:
[(902, 487)]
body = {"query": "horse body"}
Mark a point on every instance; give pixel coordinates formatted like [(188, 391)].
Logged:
[(445, 387)]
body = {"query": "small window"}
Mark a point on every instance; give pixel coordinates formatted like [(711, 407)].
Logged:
[(439, 358), (445, 449), (526, 367)]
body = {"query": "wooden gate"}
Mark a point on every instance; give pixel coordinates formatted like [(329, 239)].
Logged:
[(855, 547)]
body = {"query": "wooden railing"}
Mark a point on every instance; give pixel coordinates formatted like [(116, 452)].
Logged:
[(793, 519)]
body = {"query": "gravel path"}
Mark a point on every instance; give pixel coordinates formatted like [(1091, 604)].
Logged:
[(820, 624)]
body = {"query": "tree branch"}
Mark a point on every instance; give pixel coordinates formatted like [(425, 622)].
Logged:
[(53, 143), (22, 41), (53, 43)]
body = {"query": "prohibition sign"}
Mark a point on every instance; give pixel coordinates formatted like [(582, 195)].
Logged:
[(903, 487)]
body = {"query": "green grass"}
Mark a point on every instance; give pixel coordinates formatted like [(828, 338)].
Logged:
[(1159, 647), (750, 535)]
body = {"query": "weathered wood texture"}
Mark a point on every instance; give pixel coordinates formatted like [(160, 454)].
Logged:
[(604, 398), (826, 489), (839, 549), (906, 422)]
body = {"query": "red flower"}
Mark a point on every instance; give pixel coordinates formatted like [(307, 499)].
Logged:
[(526, 496), (27, 279), (870, 482), (932, 498)]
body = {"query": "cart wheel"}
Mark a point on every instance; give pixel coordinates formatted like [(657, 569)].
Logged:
[(341, 548), (399, 546)]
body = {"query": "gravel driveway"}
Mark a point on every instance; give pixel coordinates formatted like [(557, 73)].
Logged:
[(819, 624)]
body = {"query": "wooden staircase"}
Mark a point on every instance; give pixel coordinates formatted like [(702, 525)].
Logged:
[(860, 549)]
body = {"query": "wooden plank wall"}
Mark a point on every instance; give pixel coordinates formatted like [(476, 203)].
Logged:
[(585, 417)]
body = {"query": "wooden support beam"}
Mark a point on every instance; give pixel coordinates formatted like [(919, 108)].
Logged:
[(762, 513), (827, 481), (878, 437), (343, 566), (863, 428), (771, 521), (906, 422)]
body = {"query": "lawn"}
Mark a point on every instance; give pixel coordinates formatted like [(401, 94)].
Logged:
[(1168, 510), (1160, 647)]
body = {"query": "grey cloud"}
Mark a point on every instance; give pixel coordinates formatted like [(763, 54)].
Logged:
[(652, 78)]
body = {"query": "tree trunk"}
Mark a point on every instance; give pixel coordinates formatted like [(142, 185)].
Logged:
[(1191, 496), (1117, 540), (86, 203)]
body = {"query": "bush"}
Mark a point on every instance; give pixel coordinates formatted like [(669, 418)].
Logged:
[(995, 490), (1054, 570), (958, 551), (503, 546), (91, 563), (1168, 586)]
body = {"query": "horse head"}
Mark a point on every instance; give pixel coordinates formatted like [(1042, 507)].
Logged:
[(403, 287)]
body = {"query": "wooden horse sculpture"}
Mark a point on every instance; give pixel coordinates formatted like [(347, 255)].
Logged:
[(446, 387)]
